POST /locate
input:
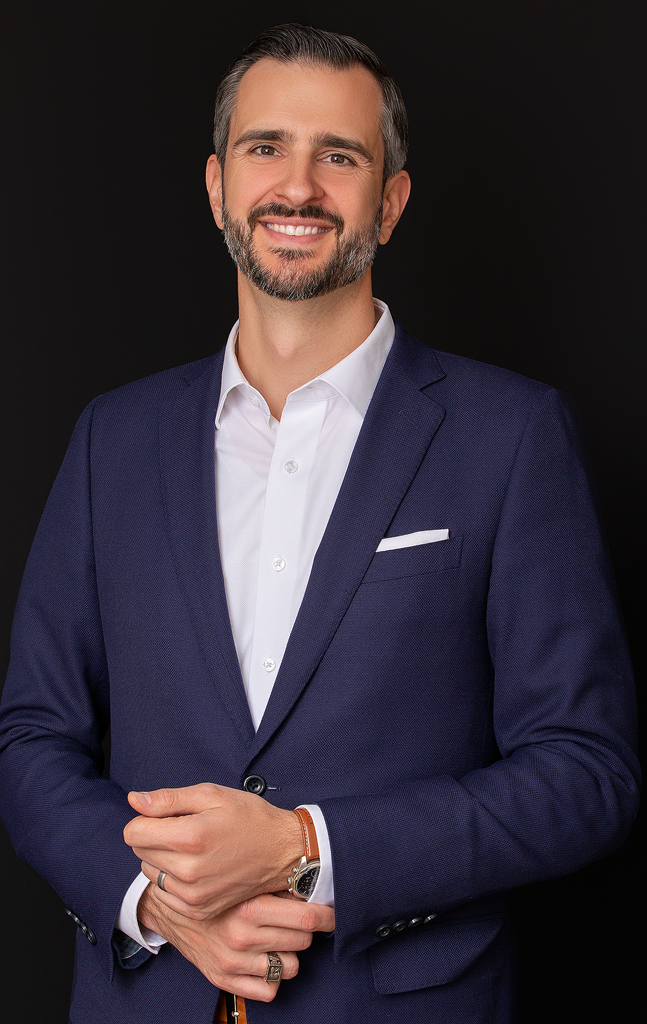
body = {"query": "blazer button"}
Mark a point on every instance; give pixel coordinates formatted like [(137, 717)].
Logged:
[(90, 936), (414, 922), (430, 917), (399, 926), (255, 784), (383, 931)]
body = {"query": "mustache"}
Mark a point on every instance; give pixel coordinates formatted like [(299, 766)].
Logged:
[(310, 212)]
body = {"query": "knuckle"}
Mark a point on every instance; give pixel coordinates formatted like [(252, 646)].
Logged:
[(267, 996), (187, 873), (306, 941), (191, 841), (167, 797), (308, 920), (192, 898), (239, 940), (207, 789), (247, 909)]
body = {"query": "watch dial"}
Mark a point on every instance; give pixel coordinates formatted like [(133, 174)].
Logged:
[(306, 884)]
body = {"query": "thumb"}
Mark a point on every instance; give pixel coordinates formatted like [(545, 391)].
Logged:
[(167, 803)]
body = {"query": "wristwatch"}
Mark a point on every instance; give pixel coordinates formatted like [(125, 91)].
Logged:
[(304, 875)]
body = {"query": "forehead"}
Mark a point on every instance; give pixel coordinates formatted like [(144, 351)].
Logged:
[(302, 98)]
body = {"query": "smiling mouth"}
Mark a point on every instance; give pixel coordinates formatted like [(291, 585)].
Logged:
[(297, 229)]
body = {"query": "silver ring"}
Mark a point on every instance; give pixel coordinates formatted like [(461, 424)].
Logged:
[(160, 880), (274, 967)]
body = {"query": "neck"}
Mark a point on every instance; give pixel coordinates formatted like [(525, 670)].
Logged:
[(282, 345)]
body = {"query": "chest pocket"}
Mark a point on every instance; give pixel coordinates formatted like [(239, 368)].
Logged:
[(415, 561)]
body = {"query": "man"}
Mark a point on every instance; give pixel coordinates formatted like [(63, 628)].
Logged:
[(396, 618)]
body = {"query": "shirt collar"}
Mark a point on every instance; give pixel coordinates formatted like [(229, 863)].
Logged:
[(354, 377)]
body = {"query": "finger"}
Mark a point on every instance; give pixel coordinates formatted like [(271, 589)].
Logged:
[(289, 970), (187, 910), (173, 893), (172, 833), (153, 873), (164, 803), (248, 979), (291, 914)]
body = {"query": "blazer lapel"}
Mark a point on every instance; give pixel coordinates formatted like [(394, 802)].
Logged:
[(187, 437), (397, 431)]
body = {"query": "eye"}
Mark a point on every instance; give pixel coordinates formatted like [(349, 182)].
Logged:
[(340, 159), (264, 149)]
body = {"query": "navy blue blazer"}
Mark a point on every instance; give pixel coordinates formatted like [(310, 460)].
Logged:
[(461, 710)]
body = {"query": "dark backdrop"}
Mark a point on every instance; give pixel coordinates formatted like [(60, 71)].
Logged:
[(520, 246)]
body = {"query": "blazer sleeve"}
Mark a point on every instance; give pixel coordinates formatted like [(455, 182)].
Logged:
[(564, 791), (61, 815)]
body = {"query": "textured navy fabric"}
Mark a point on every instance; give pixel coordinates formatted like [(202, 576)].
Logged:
[(461, 711)]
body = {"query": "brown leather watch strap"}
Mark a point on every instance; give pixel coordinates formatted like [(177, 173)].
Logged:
[(309, 833)]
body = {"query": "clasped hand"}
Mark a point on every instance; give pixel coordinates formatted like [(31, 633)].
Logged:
[(223, 852), (218, 846)]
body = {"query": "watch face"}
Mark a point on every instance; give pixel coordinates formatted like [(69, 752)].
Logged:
[(306, 883)]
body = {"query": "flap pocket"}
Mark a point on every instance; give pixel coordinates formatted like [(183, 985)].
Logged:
[(433, 956), (415, 561)]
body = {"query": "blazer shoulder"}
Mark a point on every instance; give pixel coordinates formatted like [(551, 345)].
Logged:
[(473, 372), (484, 398), (453, 373), (132, 411), (158, 387)]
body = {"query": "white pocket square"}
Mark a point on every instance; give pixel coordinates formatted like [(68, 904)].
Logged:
[(412, 540)]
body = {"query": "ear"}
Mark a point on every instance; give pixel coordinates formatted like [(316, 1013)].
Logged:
[(396, 194), (214, 188)]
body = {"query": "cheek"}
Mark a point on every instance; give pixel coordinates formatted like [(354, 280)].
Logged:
[(357, 200), (244, 191)]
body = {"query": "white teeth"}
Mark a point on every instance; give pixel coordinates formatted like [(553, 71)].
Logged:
[(299, 229)]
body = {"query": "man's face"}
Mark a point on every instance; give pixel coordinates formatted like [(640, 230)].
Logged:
[(301, 200)]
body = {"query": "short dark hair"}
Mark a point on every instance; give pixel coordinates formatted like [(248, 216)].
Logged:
[(303, 44)]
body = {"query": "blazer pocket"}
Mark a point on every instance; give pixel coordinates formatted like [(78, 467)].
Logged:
[(431, 957), (415, 561)]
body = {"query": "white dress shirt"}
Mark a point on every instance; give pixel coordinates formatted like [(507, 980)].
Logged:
[(276, 484)]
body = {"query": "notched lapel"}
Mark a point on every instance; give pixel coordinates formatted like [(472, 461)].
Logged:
[(187, 429), (398, 428)]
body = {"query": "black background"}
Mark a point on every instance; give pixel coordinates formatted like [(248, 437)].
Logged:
[(521, 246)]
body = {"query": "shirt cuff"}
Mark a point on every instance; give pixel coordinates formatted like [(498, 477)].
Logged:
[(127, 921), (324, 889)]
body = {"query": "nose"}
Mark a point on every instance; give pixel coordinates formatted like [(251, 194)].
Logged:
[(299, 184)]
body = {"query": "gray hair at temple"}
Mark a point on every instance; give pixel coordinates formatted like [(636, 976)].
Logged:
[(306, 45)]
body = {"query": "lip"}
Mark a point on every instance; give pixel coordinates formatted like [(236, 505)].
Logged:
[(296, 231)]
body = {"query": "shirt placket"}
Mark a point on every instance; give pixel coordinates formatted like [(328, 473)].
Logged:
[(297, 436)]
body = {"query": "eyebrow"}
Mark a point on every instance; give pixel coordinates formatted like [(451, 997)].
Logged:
[(322, 139), (340, 142), (263, 135)]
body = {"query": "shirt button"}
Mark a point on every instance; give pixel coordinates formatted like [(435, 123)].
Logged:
[(269, 664), (291, 466), (278, 564)]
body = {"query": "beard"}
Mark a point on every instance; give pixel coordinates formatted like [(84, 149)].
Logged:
[(294, 280)]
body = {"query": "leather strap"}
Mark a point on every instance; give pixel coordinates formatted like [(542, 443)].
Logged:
[(309, 833), (230, 1010)]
